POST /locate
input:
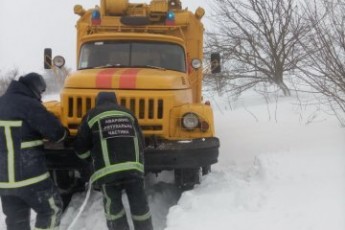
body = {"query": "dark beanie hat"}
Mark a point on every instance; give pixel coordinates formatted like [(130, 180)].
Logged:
[(35, 83), (106, 97)]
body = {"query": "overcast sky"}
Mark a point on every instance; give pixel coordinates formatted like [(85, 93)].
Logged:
[(27, 27)]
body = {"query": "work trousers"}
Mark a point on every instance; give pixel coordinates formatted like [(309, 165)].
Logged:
[(42, 197), (115, 211)]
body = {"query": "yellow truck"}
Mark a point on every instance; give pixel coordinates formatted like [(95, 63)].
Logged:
[(151, 56)]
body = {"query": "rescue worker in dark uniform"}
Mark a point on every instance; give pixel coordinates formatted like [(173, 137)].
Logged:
[(111, 136), (25, 183)]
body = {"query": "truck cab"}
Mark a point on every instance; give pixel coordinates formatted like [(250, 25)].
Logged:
[(151, 56)]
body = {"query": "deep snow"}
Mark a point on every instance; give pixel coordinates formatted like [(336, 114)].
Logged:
[(271, 175), (278, 170)]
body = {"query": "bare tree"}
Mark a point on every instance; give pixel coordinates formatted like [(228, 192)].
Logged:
[(259, 41), (6, 78), (55, 79), (324, 70)]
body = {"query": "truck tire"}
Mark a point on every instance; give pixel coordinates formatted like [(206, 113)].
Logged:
[(67, 184), (205, 170), (186, 178)]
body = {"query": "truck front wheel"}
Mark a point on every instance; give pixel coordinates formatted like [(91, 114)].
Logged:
[(188, 177), (67, 183), (206, 170)]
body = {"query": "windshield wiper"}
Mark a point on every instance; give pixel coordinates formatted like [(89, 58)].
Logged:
[(149, 66), (123, 66), (104, 66), (109, 66)]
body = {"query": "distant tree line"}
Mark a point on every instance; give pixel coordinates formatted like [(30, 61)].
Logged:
[(269, 45), (6, 78), (54, 79)]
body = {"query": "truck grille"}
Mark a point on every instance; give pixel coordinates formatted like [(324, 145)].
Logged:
[(148, 110)]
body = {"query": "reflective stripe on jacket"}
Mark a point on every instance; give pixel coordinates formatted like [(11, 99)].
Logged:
[(111, 135), (23, 125)]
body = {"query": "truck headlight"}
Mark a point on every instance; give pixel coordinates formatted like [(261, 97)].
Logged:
[(190, 121)]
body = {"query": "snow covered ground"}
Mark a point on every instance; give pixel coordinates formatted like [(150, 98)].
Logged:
[(279, 169), (271, 175)]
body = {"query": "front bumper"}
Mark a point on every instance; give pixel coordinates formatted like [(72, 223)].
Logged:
[(167, 155), (182, 154)]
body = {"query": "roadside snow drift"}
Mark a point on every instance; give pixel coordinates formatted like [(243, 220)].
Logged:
[(279, 169)]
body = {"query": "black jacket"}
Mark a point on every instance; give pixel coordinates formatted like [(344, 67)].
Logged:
[(111, 136), (24, 123)]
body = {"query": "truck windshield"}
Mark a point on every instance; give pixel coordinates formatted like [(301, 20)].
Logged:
[(132, 54)]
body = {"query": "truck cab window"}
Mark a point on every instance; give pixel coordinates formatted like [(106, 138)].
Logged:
[(132, 54)]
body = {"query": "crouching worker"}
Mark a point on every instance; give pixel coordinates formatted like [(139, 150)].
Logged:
[(25, 183), (111, 136)]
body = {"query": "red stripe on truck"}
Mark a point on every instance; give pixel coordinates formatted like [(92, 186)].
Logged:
[(128, 79), (104, 78)]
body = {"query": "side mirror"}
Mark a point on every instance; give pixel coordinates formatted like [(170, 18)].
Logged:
[(215, 63), (47, 58)]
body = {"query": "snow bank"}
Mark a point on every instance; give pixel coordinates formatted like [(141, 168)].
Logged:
[(278, 170), (284, 175)]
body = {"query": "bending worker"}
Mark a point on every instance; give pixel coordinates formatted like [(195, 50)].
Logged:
[(25, 183), (111, 136)]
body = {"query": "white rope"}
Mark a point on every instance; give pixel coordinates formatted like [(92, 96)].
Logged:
[(2, 221), (82, 207)]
